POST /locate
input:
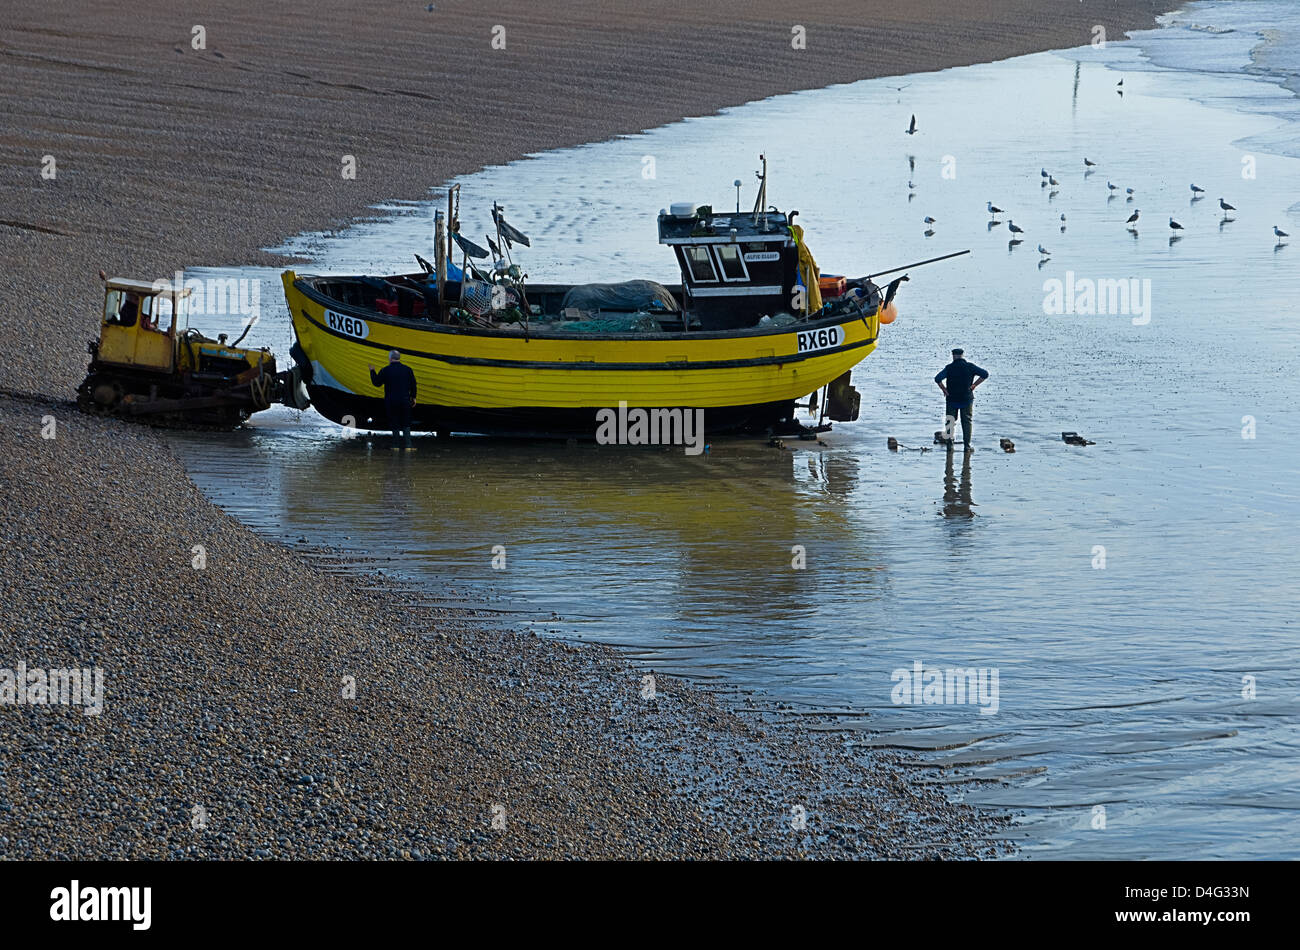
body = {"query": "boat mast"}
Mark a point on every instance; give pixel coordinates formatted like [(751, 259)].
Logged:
[(440, 262), (760, 203), (453, 199)]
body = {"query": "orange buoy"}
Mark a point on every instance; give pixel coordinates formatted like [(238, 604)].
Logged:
[(889, 314)]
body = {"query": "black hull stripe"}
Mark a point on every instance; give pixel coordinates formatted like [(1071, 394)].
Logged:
[(537, 364)]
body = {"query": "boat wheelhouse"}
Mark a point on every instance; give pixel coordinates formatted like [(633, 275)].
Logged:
[(734, 266)]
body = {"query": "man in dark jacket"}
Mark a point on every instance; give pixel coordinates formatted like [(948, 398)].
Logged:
[(962, 378), (398, 383)]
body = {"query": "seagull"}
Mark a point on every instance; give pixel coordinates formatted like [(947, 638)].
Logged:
[(1053, 180), (1044, 251), (1174, 225), (930, 220), (1129, 192), (1044, 173), (1133, 218), (1089, 163), (1279, 232), (1225, 206), (1197, 191), (1112, 187), (911, 129), (911, 186), (1016, 229), (994, 209), (1120, 83)]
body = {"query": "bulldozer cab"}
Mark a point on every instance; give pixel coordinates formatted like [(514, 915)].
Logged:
[(140, 324)]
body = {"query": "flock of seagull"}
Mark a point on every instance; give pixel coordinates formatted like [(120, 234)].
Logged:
[(1050, 181)]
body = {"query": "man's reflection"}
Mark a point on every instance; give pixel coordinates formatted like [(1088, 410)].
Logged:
[(956, 497)]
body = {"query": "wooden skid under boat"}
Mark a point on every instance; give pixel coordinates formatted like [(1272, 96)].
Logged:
[(539, 380)]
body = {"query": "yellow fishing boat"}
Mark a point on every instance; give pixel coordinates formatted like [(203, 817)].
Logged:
[(751, 330)]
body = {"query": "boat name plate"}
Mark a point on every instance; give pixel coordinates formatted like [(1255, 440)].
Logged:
[(349, 326), (823, 339)]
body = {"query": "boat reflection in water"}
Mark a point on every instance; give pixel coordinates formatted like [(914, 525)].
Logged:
[(693, 541)]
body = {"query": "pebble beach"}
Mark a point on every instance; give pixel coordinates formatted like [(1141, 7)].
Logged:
[(266, 702)]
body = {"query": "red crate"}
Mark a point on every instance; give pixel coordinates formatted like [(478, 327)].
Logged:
[(832, 286)]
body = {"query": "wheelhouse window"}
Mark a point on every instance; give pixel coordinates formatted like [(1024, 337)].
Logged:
[(700, 263), (731, 262)]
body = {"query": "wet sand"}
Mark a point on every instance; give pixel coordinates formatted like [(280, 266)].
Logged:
[(223, 684)]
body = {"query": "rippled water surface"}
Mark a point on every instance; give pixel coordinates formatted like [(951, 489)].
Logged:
[(1125, 686)]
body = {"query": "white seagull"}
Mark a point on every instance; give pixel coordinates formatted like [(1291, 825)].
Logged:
[(1112, 187), (994, 209), (1197, 191), (1044, 251), (1053, 180), (930, 220), (1279, 232), (1016, 229), (1129, 192), (1044, 173)]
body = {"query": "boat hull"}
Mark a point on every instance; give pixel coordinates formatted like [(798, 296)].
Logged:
[(553, 384)]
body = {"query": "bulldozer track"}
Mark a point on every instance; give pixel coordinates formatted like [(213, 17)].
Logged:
[(175, 425), (156, 422)]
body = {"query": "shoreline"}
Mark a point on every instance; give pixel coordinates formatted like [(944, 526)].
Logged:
[(248, 719), (227, 677)]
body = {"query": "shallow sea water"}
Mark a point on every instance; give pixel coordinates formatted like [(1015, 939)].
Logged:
[(1123, 687)]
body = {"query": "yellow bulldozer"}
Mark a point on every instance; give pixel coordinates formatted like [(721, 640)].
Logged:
[(149, 365)]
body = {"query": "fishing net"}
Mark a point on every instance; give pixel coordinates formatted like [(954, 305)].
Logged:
[(631, 323), (476, 296)]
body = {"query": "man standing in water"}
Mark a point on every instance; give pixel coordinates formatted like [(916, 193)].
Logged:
[(962, 378), (398, 383)]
